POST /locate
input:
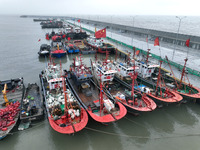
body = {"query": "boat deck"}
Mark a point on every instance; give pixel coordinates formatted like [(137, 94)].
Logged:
[(87, 100), (35, 100)]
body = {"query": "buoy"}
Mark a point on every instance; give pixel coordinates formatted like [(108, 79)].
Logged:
[(4, 129)]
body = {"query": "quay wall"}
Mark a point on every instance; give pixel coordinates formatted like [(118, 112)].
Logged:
[(168, 37), (179, 66)]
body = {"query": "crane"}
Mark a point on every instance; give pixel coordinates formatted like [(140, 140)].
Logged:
[(4, 95)]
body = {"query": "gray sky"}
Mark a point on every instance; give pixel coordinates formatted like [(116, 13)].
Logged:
[(111, 7)]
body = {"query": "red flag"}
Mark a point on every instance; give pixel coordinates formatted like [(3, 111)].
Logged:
[(68, 38), (137, 52), (156, 42), (39, 40), (147, 39), (47, 36), (79, 20), (187, 43), (101, 33), (64, 36)]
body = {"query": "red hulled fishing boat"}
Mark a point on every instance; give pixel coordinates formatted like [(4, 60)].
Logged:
[(91, 96), (65, 113)]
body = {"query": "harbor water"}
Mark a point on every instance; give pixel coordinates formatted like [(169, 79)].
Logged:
[(172, 127)]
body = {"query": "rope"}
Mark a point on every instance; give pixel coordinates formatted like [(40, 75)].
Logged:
[(28, 128), (135, 122), (142, 137)]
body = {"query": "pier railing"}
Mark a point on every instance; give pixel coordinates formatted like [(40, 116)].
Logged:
[(179, 66)]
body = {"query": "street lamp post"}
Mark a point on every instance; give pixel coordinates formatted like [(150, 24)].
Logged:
[(111, 25), (180, 19), (133, 26)]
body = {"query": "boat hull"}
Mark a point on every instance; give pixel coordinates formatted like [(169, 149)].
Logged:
[(58, 55), (70, 129)]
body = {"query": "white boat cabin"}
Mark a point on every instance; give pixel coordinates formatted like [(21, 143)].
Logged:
[(144, 70), (106, 69), (77, 30), (55, 83), (95, 42), (68, 29), (55, 44), (124, 69)]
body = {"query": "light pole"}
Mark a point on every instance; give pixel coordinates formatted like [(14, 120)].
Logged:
[(133, 26), (134, 19), (111, 25), (180, 19)]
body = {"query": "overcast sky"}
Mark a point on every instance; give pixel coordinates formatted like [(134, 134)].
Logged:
[(93, 7)]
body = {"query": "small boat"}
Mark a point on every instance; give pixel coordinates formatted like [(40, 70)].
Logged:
[(59, 51), (44, 50), (71, 48), (11, 96), (99, 45), (32, 104), (83, 48), (101, 108), (65, 114)]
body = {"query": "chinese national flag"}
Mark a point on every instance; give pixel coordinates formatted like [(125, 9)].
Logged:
[(137, 52), (64, 36), (79, 20), (39, 40), (101, 33), (147, 39), (187, 43), (47, 36), (156, 42)]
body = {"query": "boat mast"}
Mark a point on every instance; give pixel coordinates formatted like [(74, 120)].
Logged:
[(158, 79), (183, 73), (116, 54), (101, 95), (134, 52), (171, 70), (65, 95), (148, 50)]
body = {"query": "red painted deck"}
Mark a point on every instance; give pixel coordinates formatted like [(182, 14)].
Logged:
[(109, 117), (69, 129)]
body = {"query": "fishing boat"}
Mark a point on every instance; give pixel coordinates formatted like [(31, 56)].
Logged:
[(101, 108), (76, 33), (153, 85), (65, 113), (52, 24), (99, 45), (180, 86), (134, 101), (57, 47), (32, 104), (71, 48), (83, 48), (44, 50), (11, 96)]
